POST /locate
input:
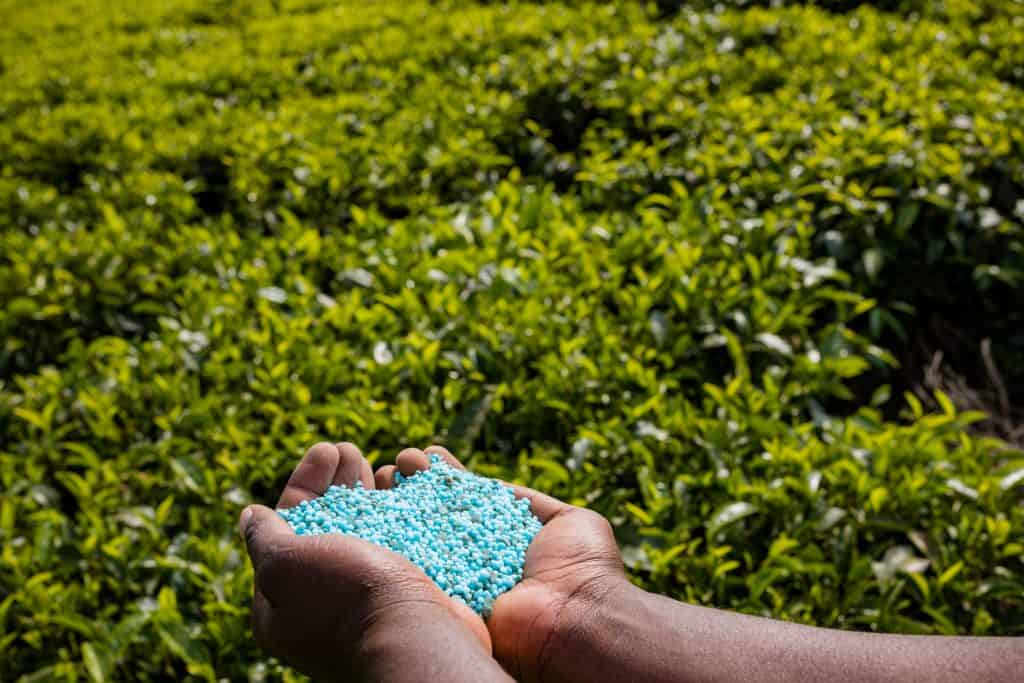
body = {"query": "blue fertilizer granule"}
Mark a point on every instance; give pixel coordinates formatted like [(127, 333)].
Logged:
[(468, 533)]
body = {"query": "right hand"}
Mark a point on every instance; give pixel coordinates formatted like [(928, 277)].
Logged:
[(572, 564)]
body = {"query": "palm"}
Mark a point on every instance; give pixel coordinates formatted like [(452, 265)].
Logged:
[(574, 555), (571, 547), (398, 572)]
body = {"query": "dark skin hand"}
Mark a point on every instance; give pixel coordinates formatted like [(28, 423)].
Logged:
[(572, 561), (575, 617)]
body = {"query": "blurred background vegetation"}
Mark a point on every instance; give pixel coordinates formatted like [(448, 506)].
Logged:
[(746, 277)]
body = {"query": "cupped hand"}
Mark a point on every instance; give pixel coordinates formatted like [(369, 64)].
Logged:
[(332, 605), (572, 564)]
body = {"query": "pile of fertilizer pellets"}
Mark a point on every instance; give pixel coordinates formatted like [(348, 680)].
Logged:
[(468, 533)]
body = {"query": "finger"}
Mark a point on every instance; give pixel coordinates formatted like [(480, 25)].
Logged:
[(445, 455), (267, 535), (544, 507), (412, 460), (352, 467), (262, 529), (313, 475), (385, 477)]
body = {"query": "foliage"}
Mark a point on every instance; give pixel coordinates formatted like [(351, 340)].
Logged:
[(635, 257)]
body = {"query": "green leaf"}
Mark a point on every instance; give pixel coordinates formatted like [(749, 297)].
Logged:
[(42, 675), (873, 260), (1011, 479), (93, 665), (947, 405), (950, 573), (775, 343), (878, 497), (176, 637), (739, 358), (553, 469), (724, 568), (640, 514), (729, 514), (127, 630)]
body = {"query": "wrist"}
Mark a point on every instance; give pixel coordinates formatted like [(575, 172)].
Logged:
[(578, 626), (414, 641)]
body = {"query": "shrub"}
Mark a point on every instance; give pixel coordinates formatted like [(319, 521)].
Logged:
[(654, 263)]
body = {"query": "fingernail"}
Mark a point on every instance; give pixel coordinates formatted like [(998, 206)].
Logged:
[(243, 520)]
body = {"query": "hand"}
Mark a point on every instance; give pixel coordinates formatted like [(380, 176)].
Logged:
[(572, 563), (339, 608)]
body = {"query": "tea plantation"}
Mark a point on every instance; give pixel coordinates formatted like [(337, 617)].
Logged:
[(671, 261)]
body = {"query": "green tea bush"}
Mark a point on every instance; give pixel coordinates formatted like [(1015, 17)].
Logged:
[(656, 263)]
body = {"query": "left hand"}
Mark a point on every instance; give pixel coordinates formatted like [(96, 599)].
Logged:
[(340, 608)]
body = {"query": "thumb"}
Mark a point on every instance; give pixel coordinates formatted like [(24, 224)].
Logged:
[(264, 531)]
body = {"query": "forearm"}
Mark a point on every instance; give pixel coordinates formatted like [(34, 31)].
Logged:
[(633, 635), (427, 650)]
